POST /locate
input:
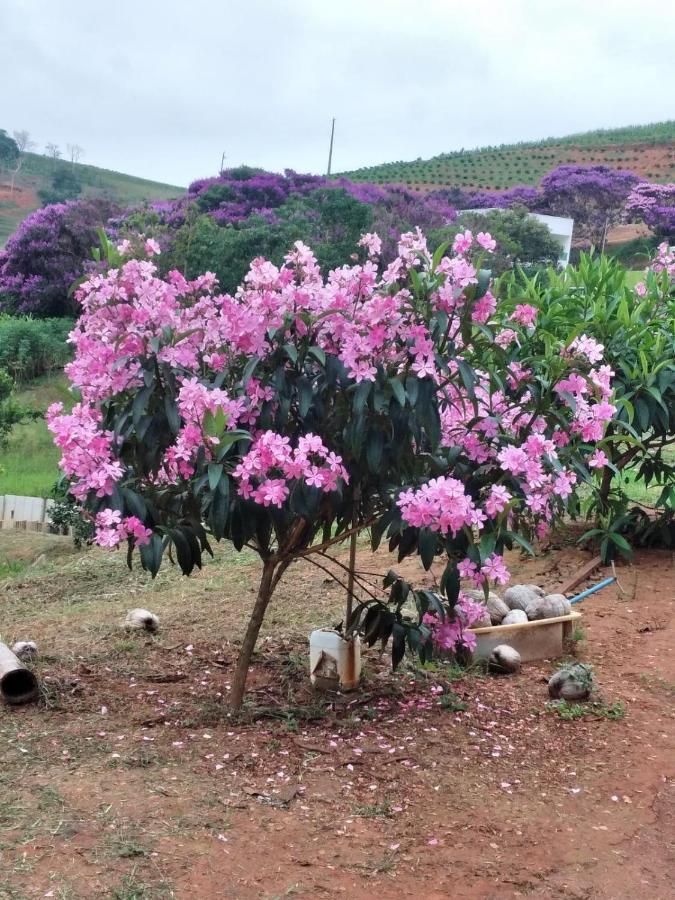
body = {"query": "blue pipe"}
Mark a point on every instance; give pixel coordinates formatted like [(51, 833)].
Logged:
[(592, 590)]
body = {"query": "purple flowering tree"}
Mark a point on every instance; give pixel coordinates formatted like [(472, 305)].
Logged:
[(47, 254), (594, 196), (654, 204)]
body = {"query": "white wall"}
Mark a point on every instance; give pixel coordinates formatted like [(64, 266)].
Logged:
[(29, 510)]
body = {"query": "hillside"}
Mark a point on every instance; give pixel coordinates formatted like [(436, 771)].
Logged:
[(647, 150), (38, 171)]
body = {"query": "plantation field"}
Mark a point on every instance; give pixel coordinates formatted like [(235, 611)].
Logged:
[(130, 780), (38, 171), (649, 151), (30, 463)]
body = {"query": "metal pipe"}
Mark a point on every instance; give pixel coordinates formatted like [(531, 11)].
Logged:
[(591, 590), (17, 683)]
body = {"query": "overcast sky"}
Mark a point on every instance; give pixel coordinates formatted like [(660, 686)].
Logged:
[(160, 88)]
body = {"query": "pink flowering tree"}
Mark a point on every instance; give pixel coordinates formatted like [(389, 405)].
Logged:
[(299, 411)]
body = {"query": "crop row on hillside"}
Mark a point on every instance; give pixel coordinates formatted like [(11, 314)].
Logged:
[(648, 151)]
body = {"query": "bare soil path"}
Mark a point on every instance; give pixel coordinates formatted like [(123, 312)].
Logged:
[(131, 781)]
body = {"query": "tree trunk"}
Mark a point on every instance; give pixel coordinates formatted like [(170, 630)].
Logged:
[(352, 558), (605, 486), (267, 584)]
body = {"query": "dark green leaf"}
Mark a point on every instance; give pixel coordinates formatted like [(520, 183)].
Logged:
[(427, 545), (397, 645)]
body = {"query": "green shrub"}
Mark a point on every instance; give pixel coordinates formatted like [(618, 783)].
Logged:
[(636, 331), (33, 347)]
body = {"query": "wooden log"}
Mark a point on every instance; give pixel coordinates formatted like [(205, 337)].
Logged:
[(579, 577)]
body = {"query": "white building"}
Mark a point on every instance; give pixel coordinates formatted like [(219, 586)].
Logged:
[(560, 228)]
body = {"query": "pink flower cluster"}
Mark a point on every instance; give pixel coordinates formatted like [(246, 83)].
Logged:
[(87, 452), (493, 569), (267, 471), (586, 346), (441, 504), (112, 529), (450, 633), (664, 261), (524, 314)]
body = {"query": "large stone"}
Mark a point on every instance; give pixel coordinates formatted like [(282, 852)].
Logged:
[(141, 620), (504, 659), (25, 650), (515, 617), (575, 682), (550, 606), (494, 603), (525, 597)]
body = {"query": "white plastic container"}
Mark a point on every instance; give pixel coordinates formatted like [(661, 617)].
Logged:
[(334, 664), (541, 639)]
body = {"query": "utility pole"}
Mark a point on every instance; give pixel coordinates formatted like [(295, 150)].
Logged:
[(330, 152), (222, 162)]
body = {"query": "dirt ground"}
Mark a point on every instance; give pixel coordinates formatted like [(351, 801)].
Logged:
[(129, 779)]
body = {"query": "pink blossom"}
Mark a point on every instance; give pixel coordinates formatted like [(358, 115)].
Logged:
[(497, 500), (494, 569), (372, 243), (462, 243), (524, 314), (505, 337), (586, 346), (598, 460), (486, 241), (374, 325)]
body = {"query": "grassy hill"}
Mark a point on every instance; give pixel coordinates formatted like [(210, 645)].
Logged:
[(647, 150), (38, 171)]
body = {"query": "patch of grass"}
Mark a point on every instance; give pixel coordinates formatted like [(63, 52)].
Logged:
[(385, 865), (452, 702), (50, 798), (131, 889), (10, 567), (656, 680), (373, 810), (127, 849), (38, 171), (600, 709)]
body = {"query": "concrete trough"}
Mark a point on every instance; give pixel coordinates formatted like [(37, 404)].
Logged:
[(541, 639)]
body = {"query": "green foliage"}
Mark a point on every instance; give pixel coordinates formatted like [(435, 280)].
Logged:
[(33, 347), (521, 239), (10, 412), (204, 246), (637, 252), (9, 151), (331, 221), (599, 709), (65, 514), (66, 185)]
